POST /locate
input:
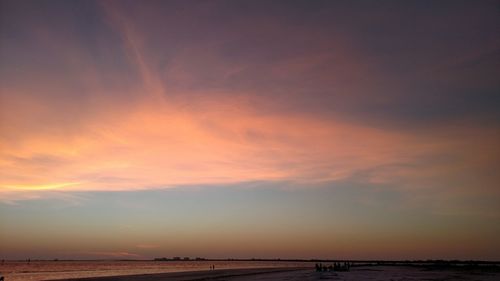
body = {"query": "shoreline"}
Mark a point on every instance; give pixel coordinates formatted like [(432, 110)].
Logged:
[(301, 273), (192, 275)]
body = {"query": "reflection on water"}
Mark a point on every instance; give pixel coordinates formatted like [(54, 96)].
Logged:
[(45, 270)]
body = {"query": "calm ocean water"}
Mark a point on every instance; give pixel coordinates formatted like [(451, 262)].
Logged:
[(45, 270)]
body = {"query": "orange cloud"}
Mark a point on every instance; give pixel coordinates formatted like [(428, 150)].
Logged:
[(162, 145)]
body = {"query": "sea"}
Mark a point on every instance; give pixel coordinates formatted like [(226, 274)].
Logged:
[(53, 270)]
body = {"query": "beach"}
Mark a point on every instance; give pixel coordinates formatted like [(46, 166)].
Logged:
[(65, 270), (231, 271), (222, 274), (308, 274)]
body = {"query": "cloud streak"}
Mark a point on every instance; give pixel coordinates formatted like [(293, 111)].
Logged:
[(116, 255), (160, 145)]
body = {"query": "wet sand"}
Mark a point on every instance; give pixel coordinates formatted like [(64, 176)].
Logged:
[(221, 274), (307, 274)]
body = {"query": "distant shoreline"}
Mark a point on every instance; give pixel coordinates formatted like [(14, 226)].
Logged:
[(419, 261), (371, 262)]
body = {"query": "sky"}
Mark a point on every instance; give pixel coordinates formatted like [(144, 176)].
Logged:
[(250, 129)]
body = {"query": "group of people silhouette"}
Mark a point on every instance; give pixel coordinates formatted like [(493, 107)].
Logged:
[(337, 266)]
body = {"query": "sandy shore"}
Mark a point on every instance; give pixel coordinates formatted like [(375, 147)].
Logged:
[(307, 274), (221, 274)]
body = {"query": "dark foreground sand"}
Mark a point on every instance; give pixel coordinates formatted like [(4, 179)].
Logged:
[(308, 274), (221, 274)]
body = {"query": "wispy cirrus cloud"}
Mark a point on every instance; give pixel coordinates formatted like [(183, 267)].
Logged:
[(158, 146), (115, 255)]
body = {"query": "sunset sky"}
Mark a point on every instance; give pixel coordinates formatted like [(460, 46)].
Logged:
[(290, 129)]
